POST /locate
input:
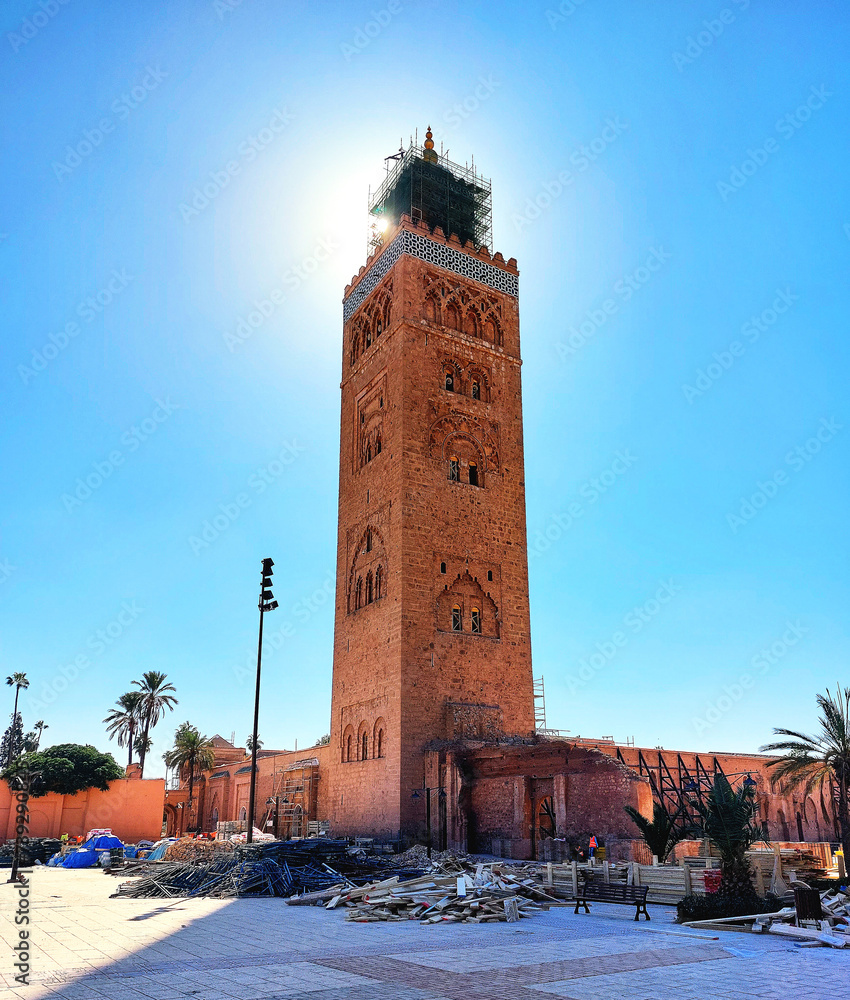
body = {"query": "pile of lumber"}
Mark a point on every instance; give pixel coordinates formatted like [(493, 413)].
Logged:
[(796, 863), (485, 893), (833, 930), (189, 849)]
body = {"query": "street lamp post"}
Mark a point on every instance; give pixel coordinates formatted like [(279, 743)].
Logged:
[(267, 603)]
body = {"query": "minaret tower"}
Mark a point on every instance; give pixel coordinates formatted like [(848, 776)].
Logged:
[(432, 638)]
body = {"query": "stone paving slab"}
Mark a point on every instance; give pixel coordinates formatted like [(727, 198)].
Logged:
[(87, 946)]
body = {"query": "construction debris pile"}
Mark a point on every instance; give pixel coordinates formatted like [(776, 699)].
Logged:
[(279, 868), (223, 879), (190, 849), (33, 849), (482, 893), (827, 912)]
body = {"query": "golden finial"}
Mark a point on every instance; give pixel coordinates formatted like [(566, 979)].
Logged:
[(430, 154)]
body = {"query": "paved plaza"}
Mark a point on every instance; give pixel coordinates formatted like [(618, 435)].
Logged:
[(87, 946)]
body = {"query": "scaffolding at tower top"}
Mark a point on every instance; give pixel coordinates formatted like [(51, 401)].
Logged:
[(428, 186)]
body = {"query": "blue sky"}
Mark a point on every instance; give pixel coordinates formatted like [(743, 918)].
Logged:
[(672, 180)]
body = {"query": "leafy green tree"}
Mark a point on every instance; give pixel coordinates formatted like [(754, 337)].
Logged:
[(661, 833), (68, 768), (249, 743), (18, 681), (323, 741), (729, 822), (157, 698), (192, 753), (822, 759), (122, 722)]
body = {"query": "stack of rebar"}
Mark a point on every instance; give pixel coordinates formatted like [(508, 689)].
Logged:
[(278, 868)]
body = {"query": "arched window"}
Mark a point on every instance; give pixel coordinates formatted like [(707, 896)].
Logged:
[(364, 746), (490, 575), (454, 469), (379, 327), (369, 337), (368, 452), (473, 474), (243, 814), (457, 619), (379, 744), (379, 582), (442, 567), (475, 618), (368, 539), (369, 588), (452, 318), (358, 593), (450, 382), (476, 389), (214, 818), (378, 445), (348, 748)]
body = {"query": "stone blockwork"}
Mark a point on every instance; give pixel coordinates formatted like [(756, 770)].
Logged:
[(506, 797), (431, 368)]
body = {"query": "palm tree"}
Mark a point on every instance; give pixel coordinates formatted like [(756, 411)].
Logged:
[(123, 722), (39, 728), (192, 752), (156, 698), (142, 745), (18, 681), (661, 834), (813, 761), (729, 822), (249, 743)]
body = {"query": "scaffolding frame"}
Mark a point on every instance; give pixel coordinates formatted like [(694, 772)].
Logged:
[(680, 789), (436, 190), (294, 798)]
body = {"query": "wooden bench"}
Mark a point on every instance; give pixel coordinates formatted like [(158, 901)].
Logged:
[(597, 891)]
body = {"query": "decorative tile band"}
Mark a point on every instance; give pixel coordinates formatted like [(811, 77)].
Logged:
[(439, 254)]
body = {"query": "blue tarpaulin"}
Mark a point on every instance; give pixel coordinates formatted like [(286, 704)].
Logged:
[(89, 854)]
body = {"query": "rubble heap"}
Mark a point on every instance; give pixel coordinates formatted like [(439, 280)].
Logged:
[(482, 893)]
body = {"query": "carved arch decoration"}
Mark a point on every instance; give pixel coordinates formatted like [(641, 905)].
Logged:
[(371, 321), (367, 577), (467, 594), (463, 308), (458, 427)]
